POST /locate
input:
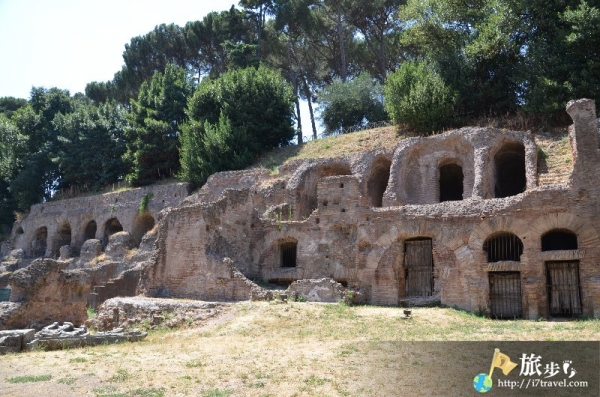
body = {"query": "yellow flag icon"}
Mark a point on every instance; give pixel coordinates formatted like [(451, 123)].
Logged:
[(503, 362)]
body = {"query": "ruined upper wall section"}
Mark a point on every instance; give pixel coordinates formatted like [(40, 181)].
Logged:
[(50, 225)]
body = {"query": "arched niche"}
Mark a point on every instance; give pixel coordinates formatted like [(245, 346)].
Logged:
[(111, 227), (39, 243), (62, 238), (378, 180), (306, 196), (142, 224), (90, 230)]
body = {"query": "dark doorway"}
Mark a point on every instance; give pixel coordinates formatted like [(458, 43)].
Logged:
[(111, 227), (39, 242), (451, 182), (510, 170), (564, 294), (505, 295), (63, 238), (378, 181), (557, 240), (503, 247), (141, 225), (418, 264), (288, 252), (90, 231)]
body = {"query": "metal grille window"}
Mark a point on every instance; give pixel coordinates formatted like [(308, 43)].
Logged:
[(503, 247), (288, 253), (564, 294), (418, 262), (505, 295)]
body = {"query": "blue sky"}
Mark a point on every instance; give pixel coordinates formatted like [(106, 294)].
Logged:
[(69, 43)]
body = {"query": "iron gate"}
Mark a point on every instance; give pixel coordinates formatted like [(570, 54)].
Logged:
[(505, 295), (564, 295), (418, 262)]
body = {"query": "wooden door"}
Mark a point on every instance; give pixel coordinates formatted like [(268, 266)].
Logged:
[(418, 262), (564, 294)]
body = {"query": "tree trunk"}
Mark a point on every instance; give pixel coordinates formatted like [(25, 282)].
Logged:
[(340, 32), (308, 96)]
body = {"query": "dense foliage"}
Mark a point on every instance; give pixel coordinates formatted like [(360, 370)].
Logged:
[(351, 103), (234, 118)]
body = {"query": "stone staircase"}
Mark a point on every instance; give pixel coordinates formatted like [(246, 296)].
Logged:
[(124, 285)]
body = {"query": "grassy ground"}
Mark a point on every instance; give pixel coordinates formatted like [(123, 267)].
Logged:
[(294, 349)]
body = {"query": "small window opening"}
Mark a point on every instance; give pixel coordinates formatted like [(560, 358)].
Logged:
[(325, 202), (451, 182), (288, 252), (503, 247), (557, 240), (20, 230), (341, 185)]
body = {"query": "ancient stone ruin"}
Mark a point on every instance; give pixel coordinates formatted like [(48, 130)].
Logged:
[(460, 218)]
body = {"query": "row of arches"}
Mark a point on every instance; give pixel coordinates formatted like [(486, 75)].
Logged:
[(38, 247), (508, 178)]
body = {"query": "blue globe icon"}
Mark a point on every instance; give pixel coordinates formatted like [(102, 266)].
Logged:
[(482, 383)]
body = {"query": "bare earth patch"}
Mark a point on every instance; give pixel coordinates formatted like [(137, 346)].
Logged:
[(275, 349)]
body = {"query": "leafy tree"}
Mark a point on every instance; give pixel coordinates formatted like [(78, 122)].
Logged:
[(351, 103), (257, 99), (12, 143), (416, 96), (8, 105), (156, 116), (92, 144), (234, 118)]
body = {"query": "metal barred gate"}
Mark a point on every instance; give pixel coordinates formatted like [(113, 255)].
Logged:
[(505, 295), (564, 295), (418, 262)]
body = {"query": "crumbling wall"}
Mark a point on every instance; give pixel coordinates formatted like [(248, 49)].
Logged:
[(50, 225), (47, 292)]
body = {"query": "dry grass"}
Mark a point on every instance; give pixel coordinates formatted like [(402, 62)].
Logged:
[(334, 146), (555, 158), (295, 349)]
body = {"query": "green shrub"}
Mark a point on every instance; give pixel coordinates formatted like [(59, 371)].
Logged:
[(416, 96)]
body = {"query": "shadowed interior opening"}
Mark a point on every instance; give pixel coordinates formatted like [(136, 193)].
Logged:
[(556, 240), (510, 170), (451, 182)]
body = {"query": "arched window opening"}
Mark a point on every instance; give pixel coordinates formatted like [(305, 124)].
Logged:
[(503, 247), (288, 251), (451, 182), (90, 230), (64, 235), (418, 265), (378, 181), (39, 242), (142, 224), (510, 170), (557, 240), (111, 227)]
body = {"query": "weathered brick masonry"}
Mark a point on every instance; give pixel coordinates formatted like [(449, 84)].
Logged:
[(352, 219), (457, 218)]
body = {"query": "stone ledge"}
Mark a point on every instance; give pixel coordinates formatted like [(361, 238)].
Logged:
[(503, 266), (565, 255)]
